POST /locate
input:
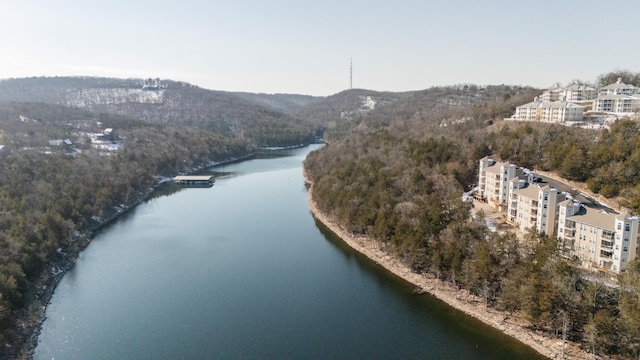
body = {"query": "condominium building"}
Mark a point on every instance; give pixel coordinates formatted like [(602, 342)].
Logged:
[(618, 88), (556, 111), (601, 239), (553, 94), (494, 179), (532, 206), (617, 103), (578, 92), (598, 238)]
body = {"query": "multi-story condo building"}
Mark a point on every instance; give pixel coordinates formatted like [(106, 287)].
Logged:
[(556, 111), (578, 92), (532, 206), (553, 94), (617, 103), (494, 178), (618, 88), (600, 239)]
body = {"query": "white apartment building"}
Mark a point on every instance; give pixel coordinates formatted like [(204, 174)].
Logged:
[(494, 178), (618, 88), (553, 94), (532, 206), (617, 103), (578, 92), (599, 239), (555, 112)]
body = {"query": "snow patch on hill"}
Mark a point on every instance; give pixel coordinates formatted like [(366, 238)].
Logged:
[(85, 98)]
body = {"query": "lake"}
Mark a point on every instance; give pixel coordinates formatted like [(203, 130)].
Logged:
[(242, 270)]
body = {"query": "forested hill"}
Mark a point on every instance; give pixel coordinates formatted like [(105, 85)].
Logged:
[(166, 102), (365, 110), (344, 107), (288, 103), (396, 175)]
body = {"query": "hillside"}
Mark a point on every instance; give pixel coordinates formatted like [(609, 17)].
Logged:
[(288, 103), (364, 110), (395, 175), (171, 102), (344, 107)]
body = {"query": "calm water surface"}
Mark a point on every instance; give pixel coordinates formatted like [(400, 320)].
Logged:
[(242, 271)]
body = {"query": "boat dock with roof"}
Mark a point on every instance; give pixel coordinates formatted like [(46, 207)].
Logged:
[(194, 180)]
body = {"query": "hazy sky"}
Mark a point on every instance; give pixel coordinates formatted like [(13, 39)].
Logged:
[(287, 46)]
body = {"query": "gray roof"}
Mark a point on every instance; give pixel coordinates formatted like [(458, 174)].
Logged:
[(618, 97), (530, 192), (618, 85), (594, 217), (579, 87), (551, 104)]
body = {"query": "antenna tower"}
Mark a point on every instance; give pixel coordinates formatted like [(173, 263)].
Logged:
[(351, 74)]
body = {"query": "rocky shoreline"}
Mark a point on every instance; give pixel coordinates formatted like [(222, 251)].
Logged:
[(30, 320), (509, 324)]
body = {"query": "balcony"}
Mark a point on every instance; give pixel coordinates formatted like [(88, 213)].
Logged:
[(534, 211), (534, 203), (606, 254), (609, 236), (606, 244), (569, 233), (513, 213)]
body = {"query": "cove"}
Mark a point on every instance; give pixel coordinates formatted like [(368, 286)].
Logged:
[(242, 270)]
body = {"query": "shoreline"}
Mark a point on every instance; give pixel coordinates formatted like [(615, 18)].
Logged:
[(32, 316), (510, 324)]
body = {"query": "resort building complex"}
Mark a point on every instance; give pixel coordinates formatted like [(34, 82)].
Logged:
[(597, 237), (570, 104)]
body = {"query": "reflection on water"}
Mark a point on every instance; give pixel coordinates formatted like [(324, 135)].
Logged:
[(242, 270)]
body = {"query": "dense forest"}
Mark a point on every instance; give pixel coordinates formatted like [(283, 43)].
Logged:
[(397, 177), (172, 103), (394, 170), (57, 185)]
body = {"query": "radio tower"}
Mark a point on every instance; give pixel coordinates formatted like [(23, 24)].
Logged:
[(351, 74)]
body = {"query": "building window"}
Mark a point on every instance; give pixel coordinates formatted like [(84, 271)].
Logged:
[(627, 227), (625, 249), (619, 226)]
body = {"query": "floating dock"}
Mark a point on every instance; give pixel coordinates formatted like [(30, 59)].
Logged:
[(194, 180)]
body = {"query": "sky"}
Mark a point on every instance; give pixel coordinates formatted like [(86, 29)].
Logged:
[(302, 47)]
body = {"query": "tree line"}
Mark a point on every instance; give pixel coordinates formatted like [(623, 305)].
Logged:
[(49, 199), (400, 182)]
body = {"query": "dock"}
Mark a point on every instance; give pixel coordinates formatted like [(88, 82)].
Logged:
[(194, 180)]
